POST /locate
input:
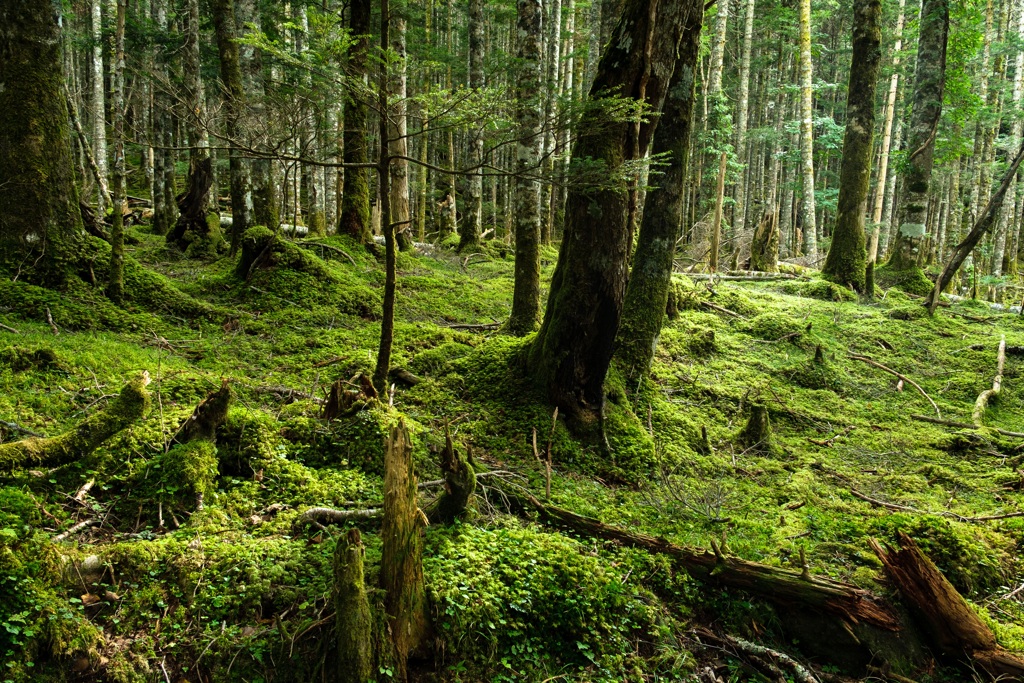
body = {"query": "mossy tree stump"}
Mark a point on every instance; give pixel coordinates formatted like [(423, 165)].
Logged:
[(353, 619), (756, 435), (459, 485)]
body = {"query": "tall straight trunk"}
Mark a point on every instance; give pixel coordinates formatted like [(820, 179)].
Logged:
[(384, 175), (981, 130), (525, 313), (1009, 261), (469, 233), (716, 220), (310, 195), (570, 356), (165, 210), (265, 210), (593, 41), (40, 220), (888, 223), (929, 81), (354, 220), (115, 282), (643, 308), (883, 159), (423, 185), (740, 209), (234, 101), (809, 221), (99, 112), (847, 257), (397, 132), (554, 44)]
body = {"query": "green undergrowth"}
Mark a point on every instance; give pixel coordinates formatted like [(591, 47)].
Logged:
[(197, 564)]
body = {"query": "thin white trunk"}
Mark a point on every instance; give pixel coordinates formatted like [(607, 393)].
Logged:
[(810, 231), (99, 115), (739, 217)]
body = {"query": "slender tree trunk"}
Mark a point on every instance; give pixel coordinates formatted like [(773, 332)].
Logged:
[(646, 297), (740, 209), (384, 175), (809, 222), (888, 222), (883, 159), (423, 186), (265, 209), (716, 220), (99, 112), (115, 282), (469, 234), (355, 201), (847, 258), (397, 134), (235, 103), (554, 44), (529, 120), (572, 351), (929, 80)]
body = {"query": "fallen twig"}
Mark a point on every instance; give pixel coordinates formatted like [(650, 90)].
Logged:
[(75, 529), (49, 320), (9, 329), (800, 672), (15, 427), (471, 326), (321, 517), (874, 363), (327, 247), (950, 515), (84, 491), (721, 309), (964, 425)]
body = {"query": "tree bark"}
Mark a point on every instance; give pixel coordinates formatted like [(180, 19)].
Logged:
[(807, 210), (99, 110), (929, 81), (643, 309), (265, 209), (469, 232), (40, 221), (397, 132), (525, 314), (115, 281), (570, 356), (354, 622), (847, 257), (742, 107), (355, 202), (235, 103), (384, 163)]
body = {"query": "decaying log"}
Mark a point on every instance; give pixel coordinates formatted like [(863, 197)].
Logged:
[(129, 406), (779, 586), (459, 485), (345, 402), (404, 376), (401, 564), (352, 609), (323, 516), (997, 384), (955, 630), (210, 414)]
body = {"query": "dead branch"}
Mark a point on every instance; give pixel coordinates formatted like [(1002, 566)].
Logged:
[(328, 247), (800, 672), (944, 513), (721, 309), (75, 529), (874, 363), (321, 517), (15, 427), (470, 326), (997, 383), (9, 329), (49, 321), (964, 425)]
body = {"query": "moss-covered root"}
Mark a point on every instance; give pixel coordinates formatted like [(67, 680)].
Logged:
[(459, 485), (354, 623), (756, 435), (128, 407)]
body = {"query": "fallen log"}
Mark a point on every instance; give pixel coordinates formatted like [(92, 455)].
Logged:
[(997, 384), (782, 587), (955, 629), (129, 406)]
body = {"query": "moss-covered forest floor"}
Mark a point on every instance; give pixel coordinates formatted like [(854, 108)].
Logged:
[(159, 588)]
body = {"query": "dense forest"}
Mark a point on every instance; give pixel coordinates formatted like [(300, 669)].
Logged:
[(511, 340)]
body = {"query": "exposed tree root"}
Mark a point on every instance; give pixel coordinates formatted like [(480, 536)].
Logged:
[(128, 407), (997, 384)]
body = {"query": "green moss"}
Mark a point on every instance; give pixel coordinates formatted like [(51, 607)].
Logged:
[(774, 326), (20, 359), (912, 280), (818, 289)]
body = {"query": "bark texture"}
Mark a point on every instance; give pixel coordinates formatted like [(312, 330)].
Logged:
[(40, 222), (355, 202), (807, 206), (573, 349), (847, 256), (469, 232), (354, 622)]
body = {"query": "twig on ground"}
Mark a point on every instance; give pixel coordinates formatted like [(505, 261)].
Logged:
[(874, 363), (328, 247), (950, 515), (997, 383), (15, 427), (9, 329), (721, 309), (75, 529), (49, 320), (964, 425)]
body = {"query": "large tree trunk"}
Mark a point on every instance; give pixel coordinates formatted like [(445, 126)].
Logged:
[(529, 119), (384, 163), (355, 202), (847, 257), (929, 80), (570, 356), (469, 232), (265, 209), (234, 100), (353, 619), (398, 126), (99, 111), (740, 209), (643, 309), (40, 221), (807, 206)]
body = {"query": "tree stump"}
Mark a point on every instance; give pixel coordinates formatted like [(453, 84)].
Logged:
[(353, 620), (756, 436), (459, 485)]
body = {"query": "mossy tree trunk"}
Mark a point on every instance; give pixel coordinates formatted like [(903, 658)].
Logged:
[(807, 206), (354, 219), (929, 81), (401, 565), (40, 222), (469, 231), (573, 349), (459, 485), (529, 118), (847, 255), (265, 210), (115, 283), (764, 244), (234, 102), (130, 405), (353, 620), (646, 298)]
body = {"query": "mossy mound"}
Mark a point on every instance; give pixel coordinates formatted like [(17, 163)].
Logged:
[(817, 373), (911, 280), (818, 289), (21, 359), (774, 326)]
